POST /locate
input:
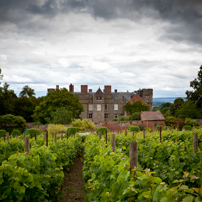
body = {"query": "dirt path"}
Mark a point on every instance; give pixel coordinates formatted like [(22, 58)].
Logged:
[(73, 189)]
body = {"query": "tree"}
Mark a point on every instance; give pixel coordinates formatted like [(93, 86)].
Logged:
[(7, 100), (135, 107), (166, 104), (188, 110), (27, 91), (55, 100), (196, 94), (176, 105), (25, 106), (62, 116), (1, 76)]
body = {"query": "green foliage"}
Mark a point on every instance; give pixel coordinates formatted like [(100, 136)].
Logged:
[(2, 133), (135, 107), (71, 131), (82, 125), (188, 110), (157, 128), (33, 131), (176, 106), (9, 122), (7, 100), (55, 100), (166, 111), (39, 175), (134, 116), (195, 95), (190, 122), (115, 119), (133, 128), (102, 129), (15, 132), (61, 116), (165, 105), (56, 128), (147, 129), (123, 118), (187, 127), (88, 124)]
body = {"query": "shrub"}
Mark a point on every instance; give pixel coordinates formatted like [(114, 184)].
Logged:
[(157, 128), (71, 131), (2, 133), (15, 132), (102, 129), (133, 128), (33, 131), (88, 124), (56, 128), (135, 116), (187, 127), (123, 118), (191, 123), (10, 122), (148, 129), (115, 119), (78, 124)]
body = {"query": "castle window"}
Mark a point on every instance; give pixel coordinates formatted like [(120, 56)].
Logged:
[(90, 115), (115, 115), (106, 106), (99, 98), (115, 106), (90, 107), (106, 116), (98, 107)]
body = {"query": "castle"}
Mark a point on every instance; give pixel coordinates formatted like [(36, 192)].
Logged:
[(105, 105)]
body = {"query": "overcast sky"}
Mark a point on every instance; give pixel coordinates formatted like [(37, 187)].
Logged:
[(128, 44)]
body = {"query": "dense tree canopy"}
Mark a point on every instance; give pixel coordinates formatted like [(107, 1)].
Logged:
[(176, 105), (196, 94), (135, 107), (55, 100)]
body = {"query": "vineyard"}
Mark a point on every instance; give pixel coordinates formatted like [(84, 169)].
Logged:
[(37, 175), (169, 169)]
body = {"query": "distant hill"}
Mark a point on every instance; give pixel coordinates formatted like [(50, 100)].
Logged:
[(158, 101)]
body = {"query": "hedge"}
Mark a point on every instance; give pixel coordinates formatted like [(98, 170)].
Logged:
[(102, 129), (15, 132), (33, 131), (187, 127), (2, 133), (71, 131), (133, 128)]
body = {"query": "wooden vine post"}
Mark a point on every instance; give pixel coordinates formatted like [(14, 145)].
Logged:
[(133, 157), (106, 137), (160, 133), (27, 145), (195, 142), (125, 132), (7, 136), (113, 142), (55, 137), (100, 135), (46, 138), (143, 134), (133, 133)]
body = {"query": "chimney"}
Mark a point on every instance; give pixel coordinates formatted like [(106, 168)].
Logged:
[(71, 88), (115, 90), (107, 89), (90, 90), (84, 88), (57, 87)]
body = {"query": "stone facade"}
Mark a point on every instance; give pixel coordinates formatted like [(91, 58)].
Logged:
[(103, 106)]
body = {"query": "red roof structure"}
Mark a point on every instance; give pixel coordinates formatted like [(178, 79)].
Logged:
[(137, 98), (152, 116)]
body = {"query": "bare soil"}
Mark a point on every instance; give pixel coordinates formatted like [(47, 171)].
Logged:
[(73, 185)]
